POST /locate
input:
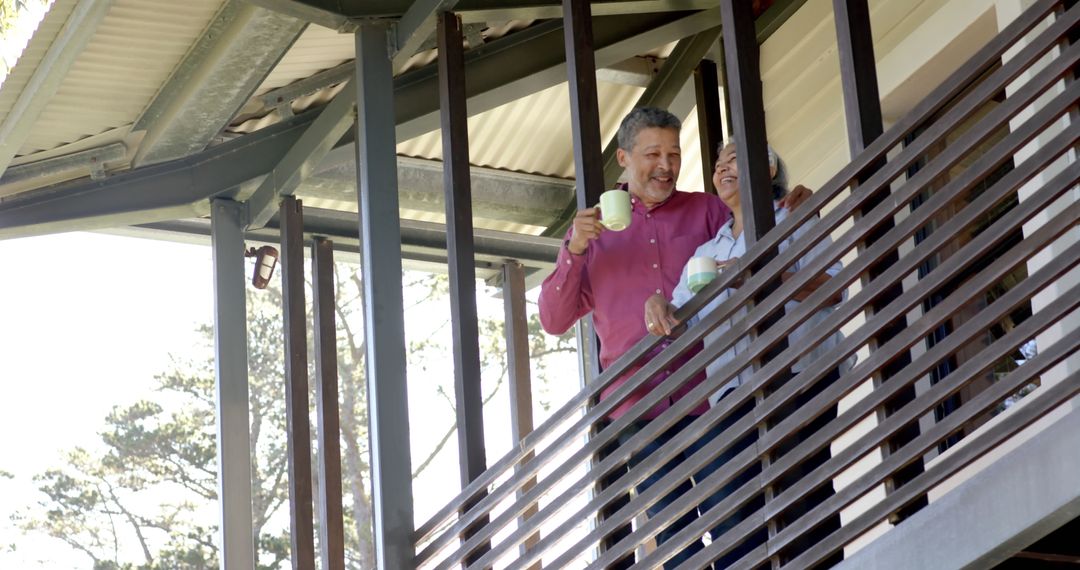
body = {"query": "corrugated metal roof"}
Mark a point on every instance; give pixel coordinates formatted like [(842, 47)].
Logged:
[(317, 49), (531, 134), (126, 62), (31, 57), (140, 43)]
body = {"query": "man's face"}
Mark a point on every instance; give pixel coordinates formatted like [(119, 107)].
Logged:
[(652, 165)]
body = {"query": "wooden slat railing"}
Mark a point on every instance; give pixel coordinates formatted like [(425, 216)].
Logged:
[(549, 474)]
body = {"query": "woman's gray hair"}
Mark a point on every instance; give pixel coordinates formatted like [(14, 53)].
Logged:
[(645, 118), (780, 180)]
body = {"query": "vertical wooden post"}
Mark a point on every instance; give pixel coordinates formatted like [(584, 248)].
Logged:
[(584, 109), (459, 245), (710, 126), (588, 166), (460, 258), (517, 356), (748, 118), (331, 521), (741, 54), (301, 517), (862, 112)]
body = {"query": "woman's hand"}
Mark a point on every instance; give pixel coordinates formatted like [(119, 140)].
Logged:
[(659, 316), (796, 197)]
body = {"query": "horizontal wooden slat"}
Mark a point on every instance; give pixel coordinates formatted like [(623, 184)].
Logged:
[(743, 427), (850, 417), (567, 424), (955, 152), (987, 56)]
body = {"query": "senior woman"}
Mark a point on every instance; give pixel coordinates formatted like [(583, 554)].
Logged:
[(728, 245)]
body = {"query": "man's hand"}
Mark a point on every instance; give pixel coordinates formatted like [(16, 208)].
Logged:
[(796, 197), (587, 227), (659, 316)]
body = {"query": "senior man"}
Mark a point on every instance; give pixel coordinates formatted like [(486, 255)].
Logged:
[(611, 274)]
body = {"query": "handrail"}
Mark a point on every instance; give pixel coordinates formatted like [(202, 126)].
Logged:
[(987, 56), (850, 417), (1012, 106), (739, 429), (952, 106)]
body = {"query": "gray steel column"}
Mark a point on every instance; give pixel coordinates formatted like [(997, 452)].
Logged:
[(331, 522), (231, 380), (384, 326), (298, 427)]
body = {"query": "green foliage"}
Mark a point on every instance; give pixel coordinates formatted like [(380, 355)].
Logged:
[(149, 492)]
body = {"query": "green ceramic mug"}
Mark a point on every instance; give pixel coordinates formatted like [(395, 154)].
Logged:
[(615, 210), (701, 272)]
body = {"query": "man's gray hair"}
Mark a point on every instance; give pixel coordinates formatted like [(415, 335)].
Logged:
[(645, 118)]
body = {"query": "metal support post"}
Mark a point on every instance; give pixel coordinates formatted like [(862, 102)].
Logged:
[(231, 382), (384, 326)]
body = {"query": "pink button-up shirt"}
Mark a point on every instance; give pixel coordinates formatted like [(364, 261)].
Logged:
[(620, 270)]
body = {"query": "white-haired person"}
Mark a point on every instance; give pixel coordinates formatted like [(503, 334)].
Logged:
[(726, 246)]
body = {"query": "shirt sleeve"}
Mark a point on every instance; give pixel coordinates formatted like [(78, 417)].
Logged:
[(717, 214), (682, 293), (565, 295), (817, 249)]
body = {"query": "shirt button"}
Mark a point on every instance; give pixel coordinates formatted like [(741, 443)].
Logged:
[(568, 262), (653, 240), (654, 266), (648, 215), (557, 288), (657, 291)]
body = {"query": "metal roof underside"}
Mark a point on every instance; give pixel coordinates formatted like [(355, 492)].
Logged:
[(124, 113)]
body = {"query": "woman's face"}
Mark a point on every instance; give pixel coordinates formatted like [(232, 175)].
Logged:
[(725, 177)]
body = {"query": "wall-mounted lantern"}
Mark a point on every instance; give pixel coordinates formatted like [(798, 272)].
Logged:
[(266, 258)]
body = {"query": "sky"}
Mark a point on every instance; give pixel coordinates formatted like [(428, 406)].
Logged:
[(87, 321)]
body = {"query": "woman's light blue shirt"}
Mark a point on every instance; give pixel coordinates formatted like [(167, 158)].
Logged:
[(726, 246)]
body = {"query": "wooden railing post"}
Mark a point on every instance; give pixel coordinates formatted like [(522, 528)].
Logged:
[(517, 356), (862, 111)]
